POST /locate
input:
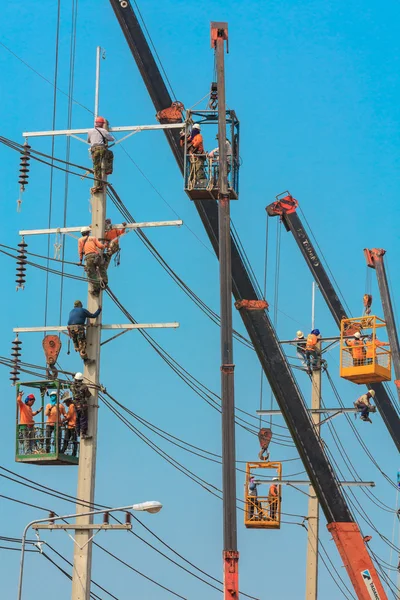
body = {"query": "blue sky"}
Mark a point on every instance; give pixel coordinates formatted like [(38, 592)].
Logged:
[(315, 86)]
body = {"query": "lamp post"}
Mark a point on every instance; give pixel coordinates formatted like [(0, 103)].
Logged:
[(149, 506)]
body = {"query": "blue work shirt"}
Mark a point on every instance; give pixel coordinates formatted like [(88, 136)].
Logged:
[(78, 316)]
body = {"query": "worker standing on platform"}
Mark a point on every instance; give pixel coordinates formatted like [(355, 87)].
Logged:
[(357, 349), (88, 247), (313, 357), (54, 413), (214, 156), (364, 406), (81, 395), (76, 327), (371, 346), (273, 499), (70, 436), (254, 504), (111, 236), (98, 138), (26, 422), (301, 348), (196, 149)]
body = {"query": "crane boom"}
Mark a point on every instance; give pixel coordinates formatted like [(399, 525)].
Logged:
[(285, 208), (375, 260), (344, 530)]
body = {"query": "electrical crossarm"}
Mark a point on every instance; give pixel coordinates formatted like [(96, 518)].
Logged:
[(345, 532), (286, 208)]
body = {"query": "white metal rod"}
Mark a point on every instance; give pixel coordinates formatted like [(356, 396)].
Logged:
[(313, 306), (124, 128), (173, 325), (177, 223), (315, 411), (96, 93), (306, 482)]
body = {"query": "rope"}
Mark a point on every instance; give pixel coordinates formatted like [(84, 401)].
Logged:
[(72, 55), (52, 151), (264, 296), (276, 291)]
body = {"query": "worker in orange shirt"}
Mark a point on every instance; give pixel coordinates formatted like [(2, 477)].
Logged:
[(111, 236), (357, 349), (198, 156), (273, 499), (371, 345), (26, 422), (70, 436), (312, 350), (88, 248), (55, 414)]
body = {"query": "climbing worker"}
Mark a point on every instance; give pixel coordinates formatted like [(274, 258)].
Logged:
[(111, 236), (301, 348), (197, 158), (364, 406), (357, 349), (312, 352), (70, 437), (213, 156), (253, 502), (26, 427), (81, 394), (273, 498), (88, 247), (98, 138), (55, 414), (76, 326), (371, 346)]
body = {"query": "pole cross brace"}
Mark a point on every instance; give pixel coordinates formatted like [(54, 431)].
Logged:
[(228, 369), (81, 526)]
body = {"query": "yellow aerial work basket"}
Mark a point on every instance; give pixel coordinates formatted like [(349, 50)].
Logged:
[(263, 511), (364, 356)]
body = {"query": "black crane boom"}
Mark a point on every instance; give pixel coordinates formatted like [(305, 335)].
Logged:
[(285, 208)]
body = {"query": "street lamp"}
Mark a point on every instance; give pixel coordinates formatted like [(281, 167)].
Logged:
[(151, 506)]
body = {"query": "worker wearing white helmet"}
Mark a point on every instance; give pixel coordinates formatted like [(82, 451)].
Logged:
[(364, 406), (357, 349), (98, 138), (89, 248), (81, 395), (301, 348)]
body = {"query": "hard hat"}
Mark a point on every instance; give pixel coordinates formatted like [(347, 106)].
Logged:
[(371, 393), (275, 479), (67, 399), (196, 126), (78, 377), (99, 120), (29, 397), (300, 334), (108, 221), (357, 335), (53, 393), (78, 303), (315, 332), (85, 229)]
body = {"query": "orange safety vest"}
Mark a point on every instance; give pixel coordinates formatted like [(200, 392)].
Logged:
[(312, 341), (371, 347), (357, 350)]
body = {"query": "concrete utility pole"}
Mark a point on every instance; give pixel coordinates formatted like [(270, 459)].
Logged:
[(81, 574), (219, 34), (313, 504)]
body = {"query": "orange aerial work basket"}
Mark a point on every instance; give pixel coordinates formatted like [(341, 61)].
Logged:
[(364, 355), (263, 510)]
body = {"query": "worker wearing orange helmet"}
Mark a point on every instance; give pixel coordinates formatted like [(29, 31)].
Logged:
[(357, 349), (198, 156), (273, 498), (102, 157)]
